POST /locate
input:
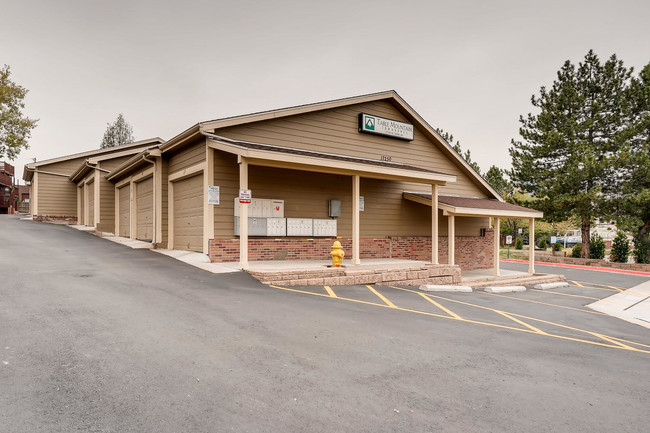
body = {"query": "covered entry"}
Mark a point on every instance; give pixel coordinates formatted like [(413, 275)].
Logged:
[(186, 213), (144, 210)]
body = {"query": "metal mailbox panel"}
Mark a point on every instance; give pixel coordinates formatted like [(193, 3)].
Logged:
[(299, 227), (276, 226), (324, 227), (256, 226)]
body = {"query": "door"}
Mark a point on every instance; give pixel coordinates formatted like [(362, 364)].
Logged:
[(125, 211), (188, 214), (144, 210)]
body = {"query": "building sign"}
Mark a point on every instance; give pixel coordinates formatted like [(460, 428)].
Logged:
[(370, 124), (213, 195), (362, 203), (245, 196)]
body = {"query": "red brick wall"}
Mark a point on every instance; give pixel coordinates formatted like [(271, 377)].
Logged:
[(472, 252)]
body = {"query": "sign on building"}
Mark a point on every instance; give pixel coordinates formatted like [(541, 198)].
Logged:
[(213, 195), (370, 124), (245, 196)]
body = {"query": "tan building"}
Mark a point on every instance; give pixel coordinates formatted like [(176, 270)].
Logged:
[(69, 188), (367, 171)]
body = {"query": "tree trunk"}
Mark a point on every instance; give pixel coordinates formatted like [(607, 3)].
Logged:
[(585, 228), (643, 229)]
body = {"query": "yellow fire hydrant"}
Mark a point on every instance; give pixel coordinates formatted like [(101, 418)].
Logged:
[(337, 254)]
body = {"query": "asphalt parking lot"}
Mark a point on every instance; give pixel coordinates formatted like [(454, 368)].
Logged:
[(97, 337), (560, 313)]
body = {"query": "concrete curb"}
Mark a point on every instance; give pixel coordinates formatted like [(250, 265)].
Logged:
[(444, 288), (545, 286), (505, 289)]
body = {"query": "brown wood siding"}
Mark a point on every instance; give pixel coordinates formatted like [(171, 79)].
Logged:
[(107, 194), (125, 211), (306, 195), (57, 196), (188, 214), (144, 211), (226, 176), (91, 204), (188, 156), (336, 131)]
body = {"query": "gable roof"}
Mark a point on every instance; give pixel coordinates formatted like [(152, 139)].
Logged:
[(99, 154), (400, 104)]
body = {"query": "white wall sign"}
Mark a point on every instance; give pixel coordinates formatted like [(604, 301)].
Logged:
[(362, 203), (245, 196), (508, 240), (387, 127), (213, 194)]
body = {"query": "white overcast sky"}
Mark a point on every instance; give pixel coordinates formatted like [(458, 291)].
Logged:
[(468, 67)]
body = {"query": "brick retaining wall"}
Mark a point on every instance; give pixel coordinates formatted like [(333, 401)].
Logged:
[(66, 219), (592, 262), (472, 252)]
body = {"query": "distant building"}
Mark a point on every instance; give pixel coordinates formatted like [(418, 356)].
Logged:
[(8, 194)]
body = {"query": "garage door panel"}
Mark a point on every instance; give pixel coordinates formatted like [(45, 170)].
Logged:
[(188, 214), (125, 211), (144, 211)]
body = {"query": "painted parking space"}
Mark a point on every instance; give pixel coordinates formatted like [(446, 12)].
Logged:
[(558, 314)]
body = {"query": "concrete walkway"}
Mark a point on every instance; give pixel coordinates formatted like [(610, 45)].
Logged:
[(632, 305)]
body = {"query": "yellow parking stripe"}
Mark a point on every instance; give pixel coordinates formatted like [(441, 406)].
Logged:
[(330, 292), (589, 285), (614, 343), (504, 314), (544, 303), (446, 310), (565, 294), (382, 297)]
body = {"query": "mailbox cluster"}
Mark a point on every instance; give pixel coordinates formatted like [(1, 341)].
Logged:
[(266, 218)]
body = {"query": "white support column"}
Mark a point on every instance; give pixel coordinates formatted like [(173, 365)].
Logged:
[(434, 224), (208, 209), (86, 204), (243, 215), (356, 256), (531, 246), (97, 202), (497, 238), (451, 234)]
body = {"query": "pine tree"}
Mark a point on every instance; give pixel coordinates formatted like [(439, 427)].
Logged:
[(566, 155), (620, 248), (467, 156), (118, 133)]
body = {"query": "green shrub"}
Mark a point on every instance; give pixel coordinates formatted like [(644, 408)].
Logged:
[(575, 252), (557, 246), (543, 244), (519, 244), (642, 249), (596, 247), (620, 248)]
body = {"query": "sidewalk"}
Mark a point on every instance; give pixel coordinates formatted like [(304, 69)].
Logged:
[(632, 305)]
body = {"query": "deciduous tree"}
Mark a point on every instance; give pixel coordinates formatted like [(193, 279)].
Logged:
[(15, 127)]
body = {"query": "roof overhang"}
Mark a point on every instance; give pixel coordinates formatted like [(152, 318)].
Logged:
[(83, 170), (481, 207), (327, 163), (133, 164)]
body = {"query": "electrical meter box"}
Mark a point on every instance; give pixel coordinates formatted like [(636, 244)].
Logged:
[(323, 227), (334, 208), (299, 227)]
